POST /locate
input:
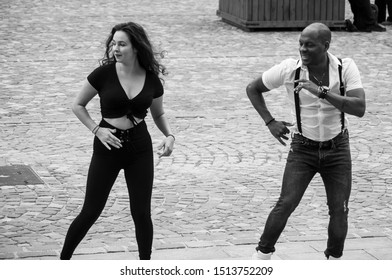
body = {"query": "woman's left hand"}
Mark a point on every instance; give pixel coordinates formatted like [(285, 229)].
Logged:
[(166, 147)]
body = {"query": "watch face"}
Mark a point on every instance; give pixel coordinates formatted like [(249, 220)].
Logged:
[(324, 92)]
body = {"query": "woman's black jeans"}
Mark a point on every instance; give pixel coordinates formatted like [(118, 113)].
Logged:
[(136, 158)]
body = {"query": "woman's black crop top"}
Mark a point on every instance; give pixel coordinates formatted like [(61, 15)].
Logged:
[(114, 101)]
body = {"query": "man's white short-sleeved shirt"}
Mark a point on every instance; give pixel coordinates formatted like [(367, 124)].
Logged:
[(320, 120)]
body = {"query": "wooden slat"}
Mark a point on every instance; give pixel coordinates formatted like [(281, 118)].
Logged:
[(298, 10), (229, 10), (244, 9), (280, 10), (293, 11), (311, 10), (267, 8), (249, 5), (235, 7), (316, 10), (286, 10), (324, 9), (239, 6), (255, 9), (262, 9), (341, 9), (274, 10), (305, 9), (329, 10), (232, 8), (335, 9)]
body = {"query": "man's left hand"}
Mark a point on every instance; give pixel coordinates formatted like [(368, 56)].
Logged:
[(308, 85)]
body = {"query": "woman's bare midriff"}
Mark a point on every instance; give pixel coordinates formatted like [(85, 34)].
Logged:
[(122, 123)]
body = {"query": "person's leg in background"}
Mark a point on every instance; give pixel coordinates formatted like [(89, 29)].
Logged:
[(389, 8), (382, 9), (364, 16)]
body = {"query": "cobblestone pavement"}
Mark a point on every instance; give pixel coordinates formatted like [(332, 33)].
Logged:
[(219, 185)]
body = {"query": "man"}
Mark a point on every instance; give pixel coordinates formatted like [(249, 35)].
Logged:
[(320, 140), (365, 19)]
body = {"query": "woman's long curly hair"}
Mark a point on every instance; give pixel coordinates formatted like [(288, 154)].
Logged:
[(147, 57)]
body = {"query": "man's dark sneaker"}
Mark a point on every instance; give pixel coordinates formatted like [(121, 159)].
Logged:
[(387, 22)]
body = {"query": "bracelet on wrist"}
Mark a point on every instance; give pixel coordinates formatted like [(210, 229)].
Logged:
[(269, 122), (174, 138), (95, 129)]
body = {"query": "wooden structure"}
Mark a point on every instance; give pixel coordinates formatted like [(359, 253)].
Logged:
[(269, 14)]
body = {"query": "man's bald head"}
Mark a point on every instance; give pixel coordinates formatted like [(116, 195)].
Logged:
[(319, 31)]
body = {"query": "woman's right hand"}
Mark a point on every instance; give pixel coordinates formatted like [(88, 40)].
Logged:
[(105, 135)]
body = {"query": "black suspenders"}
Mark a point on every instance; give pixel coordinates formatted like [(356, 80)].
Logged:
[(296, 96), (296, 100), (341, 89)]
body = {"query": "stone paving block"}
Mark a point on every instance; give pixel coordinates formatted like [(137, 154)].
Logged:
[(368, 243), (132, 248), (243, 241), (371, 233), (358, 244), (7, 256), (240, 252), (299, 256), (297, 238), (199, 244), (297, 247), (358, 255), (318, 245), (110, 256), (39, 254), (89, 251), (116, 249), (169, 246), (381, 253)]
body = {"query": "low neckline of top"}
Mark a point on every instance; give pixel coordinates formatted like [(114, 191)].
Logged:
[(122, 88)]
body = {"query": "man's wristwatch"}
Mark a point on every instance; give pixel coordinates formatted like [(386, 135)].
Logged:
[(323, 91)]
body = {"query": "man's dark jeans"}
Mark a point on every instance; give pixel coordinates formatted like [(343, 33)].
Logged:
[(332, 159)]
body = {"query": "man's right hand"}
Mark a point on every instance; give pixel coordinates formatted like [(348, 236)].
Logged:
[(279, 129)]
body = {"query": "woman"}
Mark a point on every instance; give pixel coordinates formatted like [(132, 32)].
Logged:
[(127, 83)]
